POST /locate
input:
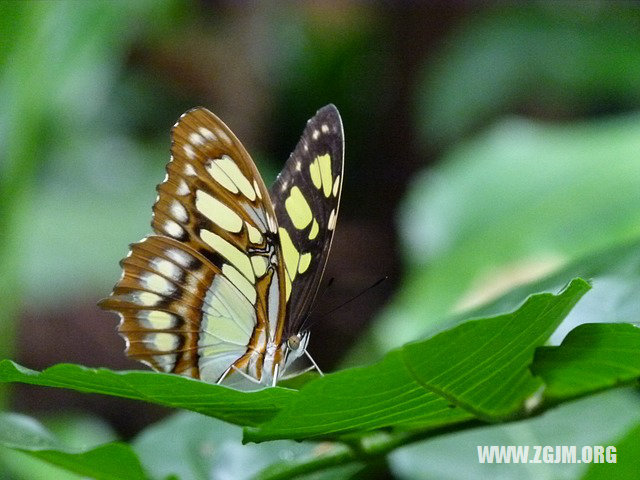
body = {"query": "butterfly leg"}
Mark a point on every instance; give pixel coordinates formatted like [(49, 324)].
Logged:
[(233, 367), (224, 375), (315, 365), (295, 374), (248, 377)]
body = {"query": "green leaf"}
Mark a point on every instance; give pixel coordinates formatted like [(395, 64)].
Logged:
[(592, 357), (243, 408), (478, 370), (112, 461), (481, 366), (77, 431), (360, 399)]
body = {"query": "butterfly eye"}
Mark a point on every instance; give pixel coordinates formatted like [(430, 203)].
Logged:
[(294, 342)]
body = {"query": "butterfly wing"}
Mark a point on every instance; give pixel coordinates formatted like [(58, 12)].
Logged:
[(204, 292), (306, 196)]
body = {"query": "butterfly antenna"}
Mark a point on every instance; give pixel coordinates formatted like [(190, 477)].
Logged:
[(316, 303), (370, 287)]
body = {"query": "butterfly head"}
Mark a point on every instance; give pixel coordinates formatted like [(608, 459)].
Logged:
[(298, 341), (295, 347)]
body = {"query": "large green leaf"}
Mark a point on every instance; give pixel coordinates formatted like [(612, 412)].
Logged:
[(244, 408), (395, 395), (593, 356), (422, 385), (478, 370), (112, 461), (440, 384), (361, 399), (483, 365)]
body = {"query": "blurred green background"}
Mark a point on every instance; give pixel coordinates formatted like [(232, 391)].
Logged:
[(487, 146)]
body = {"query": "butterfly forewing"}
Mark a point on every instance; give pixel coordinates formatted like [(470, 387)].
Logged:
[(306, 196), (205, 292)]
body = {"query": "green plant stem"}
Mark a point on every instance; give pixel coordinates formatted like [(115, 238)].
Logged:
[(361, 450)]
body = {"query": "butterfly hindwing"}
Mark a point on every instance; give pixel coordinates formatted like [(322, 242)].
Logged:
[(196, 297), (306, 196)]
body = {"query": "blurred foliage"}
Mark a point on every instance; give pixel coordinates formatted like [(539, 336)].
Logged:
[(208, 449), (514, 205), (450, 457), (67, 431), (37, 94), (555, 59), (529, 110), (61, 135)]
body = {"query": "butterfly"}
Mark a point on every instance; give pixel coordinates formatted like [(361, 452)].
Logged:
[(225, 284)]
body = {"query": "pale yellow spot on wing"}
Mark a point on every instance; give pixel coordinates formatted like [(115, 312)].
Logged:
[(183, 188), (157, 283), (178, 211), (189, 170), (271, 223), (325, 128), (259, 265), (222, 135), (254, 234), (188, 149), (166, 268), (256, 187), (165, 362), (288, 285), (289, 252), (181, 258), (237, 177), (231, 253), (240, 282), (298, 208), (157, 320), (314, 230), (220, 176), (314, 171), (173, 229), (206, 133), (218, 212), (325, 173), (305, 261), (147, 299), (336, 186), (196, 138), (333, 217), (163, 342)]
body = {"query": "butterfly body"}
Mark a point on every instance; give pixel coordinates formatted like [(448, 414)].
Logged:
[(223, 287)]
